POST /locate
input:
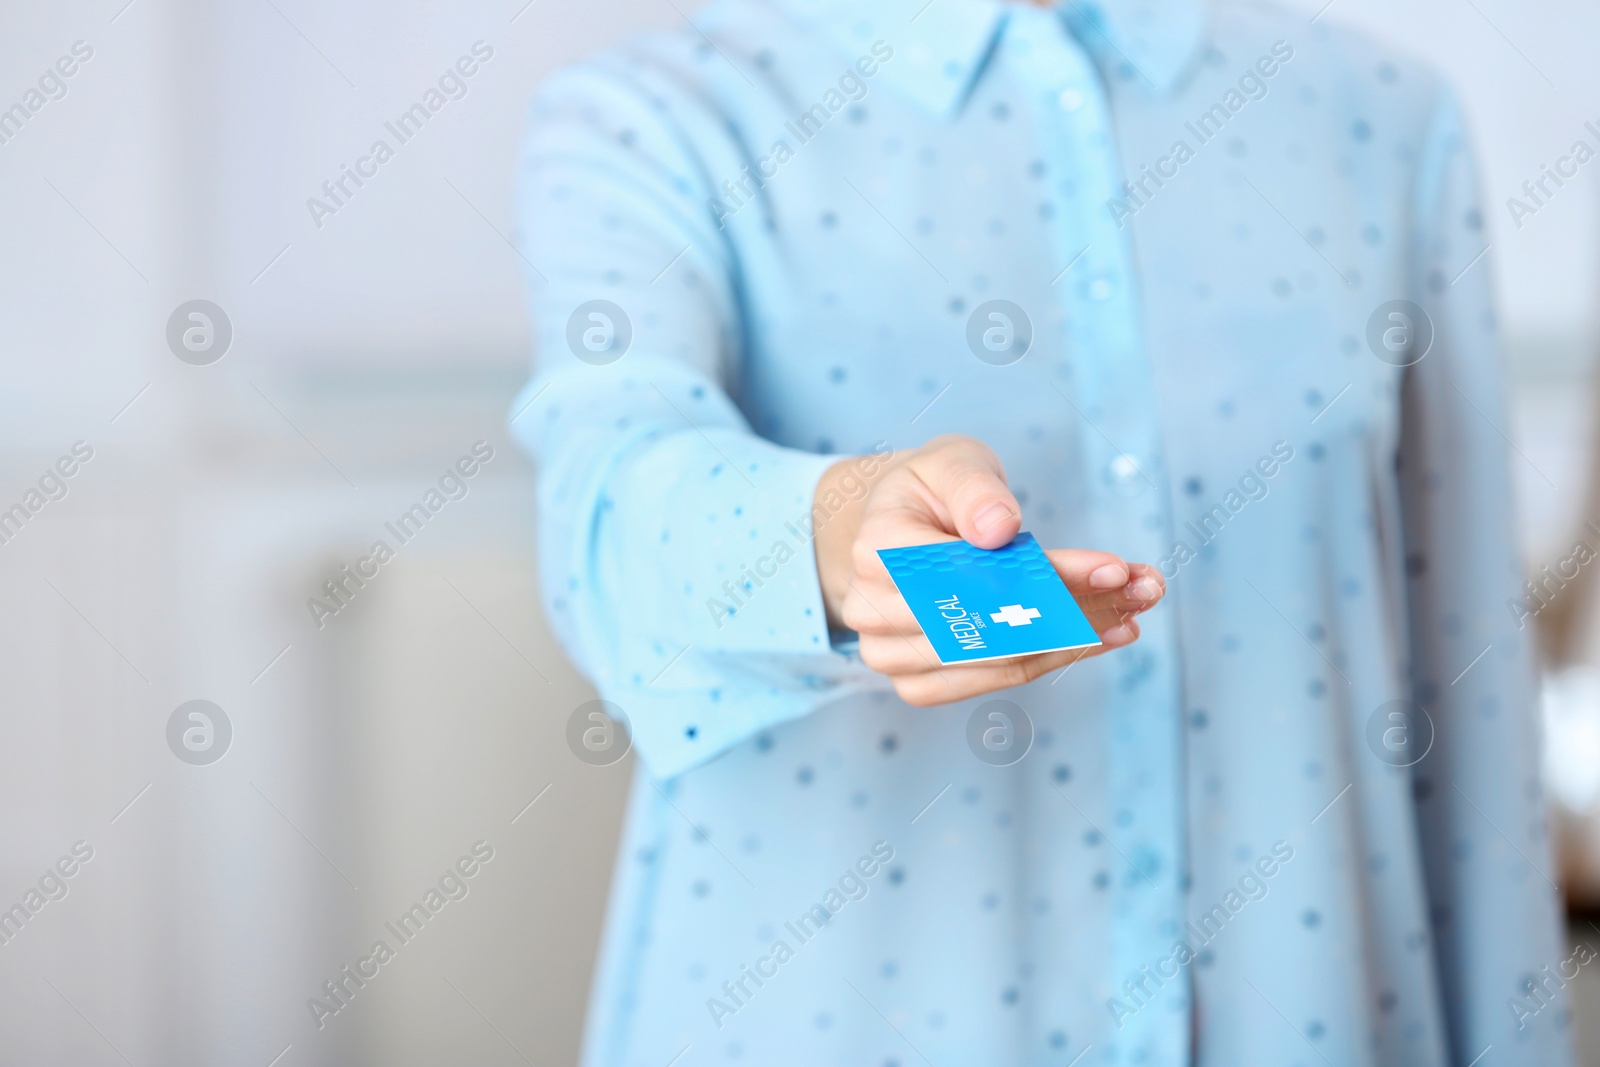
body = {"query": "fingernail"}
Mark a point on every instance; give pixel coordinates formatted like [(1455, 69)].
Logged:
[(1145, 589), (1117, 635), (1109, 576), (991, 516)]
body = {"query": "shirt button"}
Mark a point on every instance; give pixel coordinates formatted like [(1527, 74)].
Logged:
[(1124, 473), (1099, 289), (1070, 99)]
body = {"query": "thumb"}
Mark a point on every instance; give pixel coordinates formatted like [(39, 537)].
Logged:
[(969, 484)]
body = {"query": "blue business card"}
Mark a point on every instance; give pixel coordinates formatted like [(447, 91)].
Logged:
[(977, 604)]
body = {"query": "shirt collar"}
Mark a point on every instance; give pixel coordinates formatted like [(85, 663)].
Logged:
[(940, 46)]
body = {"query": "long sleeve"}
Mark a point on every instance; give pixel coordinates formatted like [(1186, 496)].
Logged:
[(675, 549), (1480, 808)]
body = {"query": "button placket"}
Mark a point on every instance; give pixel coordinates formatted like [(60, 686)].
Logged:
[(1111, 393)]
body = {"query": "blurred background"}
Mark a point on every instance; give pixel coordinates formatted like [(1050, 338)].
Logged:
[(371, 348)]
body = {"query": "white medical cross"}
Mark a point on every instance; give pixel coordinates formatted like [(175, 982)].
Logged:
[(1016, 615)]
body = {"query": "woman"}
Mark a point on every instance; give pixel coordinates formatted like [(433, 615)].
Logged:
[(1198, 288)]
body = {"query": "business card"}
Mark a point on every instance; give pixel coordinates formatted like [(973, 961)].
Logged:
[(979, 604)]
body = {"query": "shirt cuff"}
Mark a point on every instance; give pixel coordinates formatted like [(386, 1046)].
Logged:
[(744, 642)]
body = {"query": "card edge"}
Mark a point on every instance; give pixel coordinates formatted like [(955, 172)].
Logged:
[(1015, 655)]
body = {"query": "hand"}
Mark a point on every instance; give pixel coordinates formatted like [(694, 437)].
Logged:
[(952, 487)]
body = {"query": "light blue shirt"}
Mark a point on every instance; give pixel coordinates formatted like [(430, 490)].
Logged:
[(1225, 845)]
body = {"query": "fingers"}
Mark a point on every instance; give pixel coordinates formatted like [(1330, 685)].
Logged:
[(869, 608), (1086, 570), (1124, 633), (959, 682), (897, 654), (968, 486), (1102, 577), (1144, 590), (920, 679), (900, 655), (1146, 587)]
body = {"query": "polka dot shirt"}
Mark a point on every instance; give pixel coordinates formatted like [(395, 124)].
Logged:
[(1209, 280)]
